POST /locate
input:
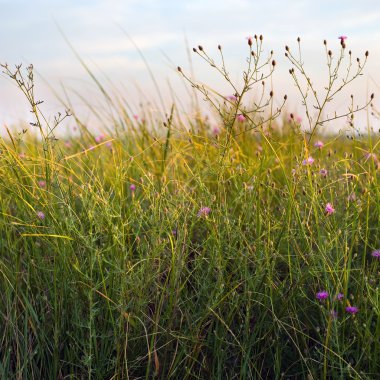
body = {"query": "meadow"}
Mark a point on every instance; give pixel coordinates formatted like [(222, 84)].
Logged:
[(242, 246)]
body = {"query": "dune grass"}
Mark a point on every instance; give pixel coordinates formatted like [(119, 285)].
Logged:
[(192, 249)]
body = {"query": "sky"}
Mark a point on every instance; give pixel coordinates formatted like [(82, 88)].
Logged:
[(101, 32)]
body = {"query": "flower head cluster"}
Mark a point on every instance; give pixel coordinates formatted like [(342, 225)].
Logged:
[(241, 118), (376, 254), (352, 309), (329, 209), (322, 295), (40, 215), (319, 144), (308, 161), (204, 211)]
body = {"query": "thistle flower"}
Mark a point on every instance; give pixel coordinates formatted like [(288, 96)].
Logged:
[(329, 209), (241, 118), (40, 215), (323, 172), (319, 144), (41, 184), (322, 295), (308, 161), (376, 254), (342, 38), (352, 309), (231, 98), (132, 187), (99, 138), (339, 296), (204, 211)]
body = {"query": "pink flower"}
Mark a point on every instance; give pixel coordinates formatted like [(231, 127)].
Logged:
[(22, 155), (352, 309), (329, 209), (215, 131), (342, 38), (299, 119), (40, 215), (339, 296), (241, 118), (41, 184), (376, 254), (204, 211), (99, 138), (231, 98), (323, 172), (109, 144), (132, 187), (308, 161), (319, 144), (136, 117), (322, 295)]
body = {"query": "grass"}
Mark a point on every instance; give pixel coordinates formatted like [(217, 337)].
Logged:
[(124, 277)]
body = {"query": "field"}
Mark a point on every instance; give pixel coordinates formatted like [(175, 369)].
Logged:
[(246, 246)]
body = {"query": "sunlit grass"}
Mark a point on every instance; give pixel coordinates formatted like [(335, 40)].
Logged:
[(191, 249)]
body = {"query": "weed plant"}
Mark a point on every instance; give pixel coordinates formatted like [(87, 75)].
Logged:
[(240, 247)]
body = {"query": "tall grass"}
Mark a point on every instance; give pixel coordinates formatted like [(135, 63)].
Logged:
[(193, 250)]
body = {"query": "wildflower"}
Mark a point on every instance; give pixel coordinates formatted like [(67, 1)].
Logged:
[(329, 209), (299, 119), (132, 187), (22, 155), (204, 211), (323, 172), (371, 155), (40, 215), (216, 131), (136, 117), (109, 144), (308, 161), (99, 138), (240, 118), (41, 184), (250, 40), (352, 309), (339, 296), (319, 144), (342, 38), (322, 295), (67, 144), (376, 254), (231, 98)]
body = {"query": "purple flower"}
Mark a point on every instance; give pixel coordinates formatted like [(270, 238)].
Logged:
[(322, 295), (99, 138), (41, 184), (216, 131), (40, 215), (339, 296), (342, 38), (241, 118), (319, 144), (308, 161), (132, 187), (204, 211), (376, 254), (323, 172), (352, 309), (329, 209), (231, 98)]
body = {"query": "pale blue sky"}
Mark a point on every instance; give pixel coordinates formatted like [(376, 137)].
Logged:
[(29, 34)]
